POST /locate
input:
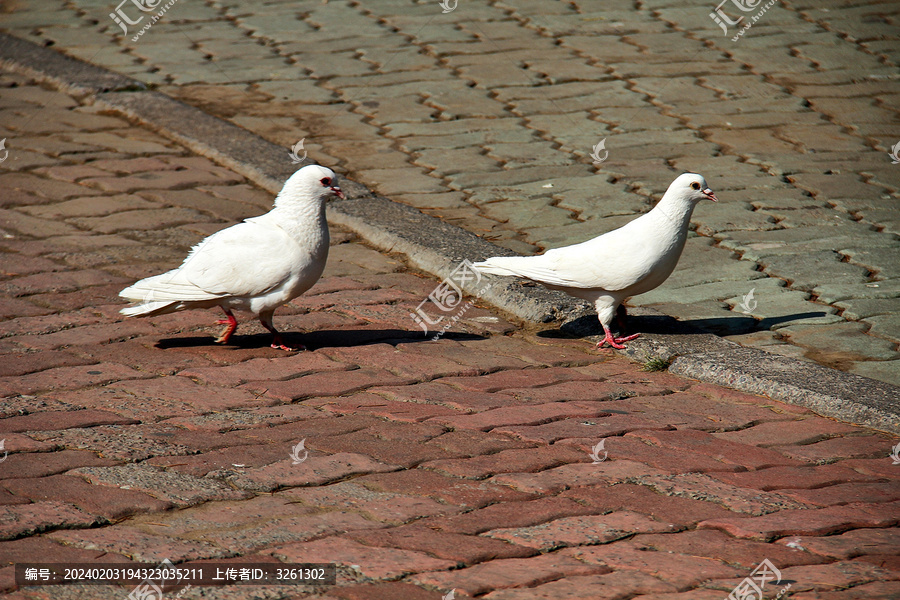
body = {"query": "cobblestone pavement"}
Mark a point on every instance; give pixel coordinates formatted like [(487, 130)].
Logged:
[(458, 464), (486, 117)]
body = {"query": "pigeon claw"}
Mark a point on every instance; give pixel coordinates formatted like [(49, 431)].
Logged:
[(279, 346), (616, 342), (232, 325)]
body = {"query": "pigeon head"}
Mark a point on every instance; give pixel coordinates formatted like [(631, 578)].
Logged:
[(311, 183), (692, 187)]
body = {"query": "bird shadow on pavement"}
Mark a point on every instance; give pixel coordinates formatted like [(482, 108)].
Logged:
[(313, 340), (588, 325)]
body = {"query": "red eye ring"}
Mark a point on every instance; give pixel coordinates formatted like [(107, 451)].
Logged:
[(325, 181)]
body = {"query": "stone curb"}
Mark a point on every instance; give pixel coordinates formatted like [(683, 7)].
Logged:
[(438, 248)]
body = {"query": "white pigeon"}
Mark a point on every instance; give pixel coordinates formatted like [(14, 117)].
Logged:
[(254, 266), (625, 262)]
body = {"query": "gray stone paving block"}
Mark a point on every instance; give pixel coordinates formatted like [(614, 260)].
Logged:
[(465, 181), (830, 293), (719, 290), (808, 270), (753, 245), (709, 316), (883, 262), (730, 216), (886, 325), (863, 308), (521, 214), (883, 370), (455, 160), (838, 342)]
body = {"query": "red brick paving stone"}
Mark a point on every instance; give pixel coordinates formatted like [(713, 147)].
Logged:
[(67, 281), (536, 414), (696, 594), (699, 442), (14, 442), (21, 363), (86, 336), (42, 464), (112, 503), (871, 446), (584, 390), (165, 397), (873, 467), (408, 364), (247, 418), (377, 506), (508, 461), (847, 492), (440, 394), (11, 308), (365, 403), (740, 500), (735, 397), (47, 323), (168, 486), (43, 549), (581, 531), (51, 420), (508, 573), (879, 590), (851, 544), (462, 549), (518, 378), (371, 562), (628, 447), (138, 545), (335, 383), (668, 509), (800, 431), (716, 545), (198, 465), (550, 355), (809, 522), (8, 499), (483, 360), (475, 443), (383, 591), (595, 428), (681, 570), (140, 354), (67, 378), (835, 575), (809, 477), (551, 481), (890, 562), (406, 453), (688, 410), (291, 433), (316, 470), (15, 265), (20, 520), (622, 584), (510, 514), (289, 367), (458, 492)]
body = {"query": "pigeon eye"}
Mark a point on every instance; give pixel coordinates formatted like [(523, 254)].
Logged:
[(326, 181), (695, 185)]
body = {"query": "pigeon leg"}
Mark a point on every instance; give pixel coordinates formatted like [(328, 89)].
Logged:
[(615, 342), (232, 325), (277, 342)]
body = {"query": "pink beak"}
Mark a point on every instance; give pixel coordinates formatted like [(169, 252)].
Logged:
[(709, 194), (337, 191)]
